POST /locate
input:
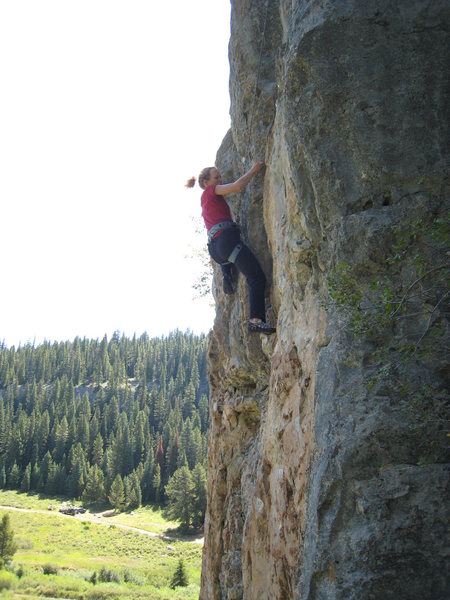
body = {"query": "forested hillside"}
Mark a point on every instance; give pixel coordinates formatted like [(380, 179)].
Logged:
[(76, 417)]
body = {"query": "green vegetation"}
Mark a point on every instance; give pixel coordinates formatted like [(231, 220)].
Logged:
[(88, 417), (180, 578), (403, 313), (186, 493), (149, 518), (8, 546), (117, 493), (83, 559), (415, 283)]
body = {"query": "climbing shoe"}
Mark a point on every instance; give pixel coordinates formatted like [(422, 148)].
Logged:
[(261, 328), (229, 281)]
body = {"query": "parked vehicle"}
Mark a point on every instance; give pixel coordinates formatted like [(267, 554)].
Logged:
[(69, 509)]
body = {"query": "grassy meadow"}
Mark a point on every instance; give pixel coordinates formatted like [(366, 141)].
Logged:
[(61, 556)]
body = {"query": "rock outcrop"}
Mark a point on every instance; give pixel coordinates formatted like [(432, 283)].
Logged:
[(328, 473)]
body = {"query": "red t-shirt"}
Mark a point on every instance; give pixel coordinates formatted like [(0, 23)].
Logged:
[(214, 208)]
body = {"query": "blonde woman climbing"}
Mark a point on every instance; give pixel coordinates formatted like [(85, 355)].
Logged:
[(225, 244)]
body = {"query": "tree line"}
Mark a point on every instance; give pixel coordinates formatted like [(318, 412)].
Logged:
[(116, 419)]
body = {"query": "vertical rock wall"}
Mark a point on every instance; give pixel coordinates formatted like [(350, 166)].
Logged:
[(318, 486)]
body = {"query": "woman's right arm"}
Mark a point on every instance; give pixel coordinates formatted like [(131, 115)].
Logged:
[(222, 189)]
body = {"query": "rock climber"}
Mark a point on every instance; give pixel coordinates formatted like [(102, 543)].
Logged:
[(225, 245)]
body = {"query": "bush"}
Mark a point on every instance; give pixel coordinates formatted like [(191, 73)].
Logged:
[(8, 580), (20, 571), (131, 577), (24, 543), (108, 576), (50, 569)]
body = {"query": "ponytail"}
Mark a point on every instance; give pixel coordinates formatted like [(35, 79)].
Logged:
[(204, 176)]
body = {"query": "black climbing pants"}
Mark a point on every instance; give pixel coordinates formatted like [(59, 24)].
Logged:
[(222, 246)]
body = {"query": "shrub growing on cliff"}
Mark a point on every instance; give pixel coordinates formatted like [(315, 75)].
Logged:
[(404, 314), (416, 283)]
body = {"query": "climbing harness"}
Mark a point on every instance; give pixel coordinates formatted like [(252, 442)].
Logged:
[(233, 256), (218, 227), (231, 259), (212, 232)]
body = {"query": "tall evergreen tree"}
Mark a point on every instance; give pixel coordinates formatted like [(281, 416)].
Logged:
[(198, 495), (159, 457), (157, 484), (25, 485), (117, 493), (14, 477), (179, 492), (97, 450), (8, 546), (2, 477), (133, 493), (94, 490)]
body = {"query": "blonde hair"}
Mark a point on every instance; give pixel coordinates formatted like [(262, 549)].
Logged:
[(204, 176)]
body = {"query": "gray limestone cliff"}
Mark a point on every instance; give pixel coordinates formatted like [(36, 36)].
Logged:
[(328, 459)]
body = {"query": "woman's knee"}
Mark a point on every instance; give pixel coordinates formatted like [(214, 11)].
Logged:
[(247, 263)]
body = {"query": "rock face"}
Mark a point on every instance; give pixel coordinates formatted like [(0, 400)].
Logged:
[(328, 472)]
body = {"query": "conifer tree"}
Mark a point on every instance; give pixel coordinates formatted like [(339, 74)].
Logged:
[(8, 546), (133, 494), (179, 496), (159, 457), (189, 401), (198, 495), (116, 495), (94, 490), (182, 460), (139, 446), (62, 435), (173, 455), (157, 484), (14, 477), (204, 412), (44, 467), (34, 475), (97, 450), (147, 478), (180, 576), (25, 485), (75, 482)]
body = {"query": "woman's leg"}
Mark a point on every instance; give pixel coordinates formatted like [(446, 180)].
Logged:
[(248, 265), (229, 278)]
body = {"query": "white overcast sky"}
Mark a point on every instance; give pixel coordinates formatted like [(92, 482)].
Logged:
[(106, 108)]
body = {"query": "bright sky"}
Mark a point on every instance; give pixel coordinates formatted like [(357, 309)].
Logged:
[(106, 108)]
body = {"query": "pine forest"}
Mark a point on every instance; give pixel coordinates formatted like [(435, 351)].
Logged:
[(122, 421)]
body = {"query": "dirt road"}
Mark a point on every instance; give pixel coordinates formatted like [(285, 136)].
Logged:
[(100, 519)]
